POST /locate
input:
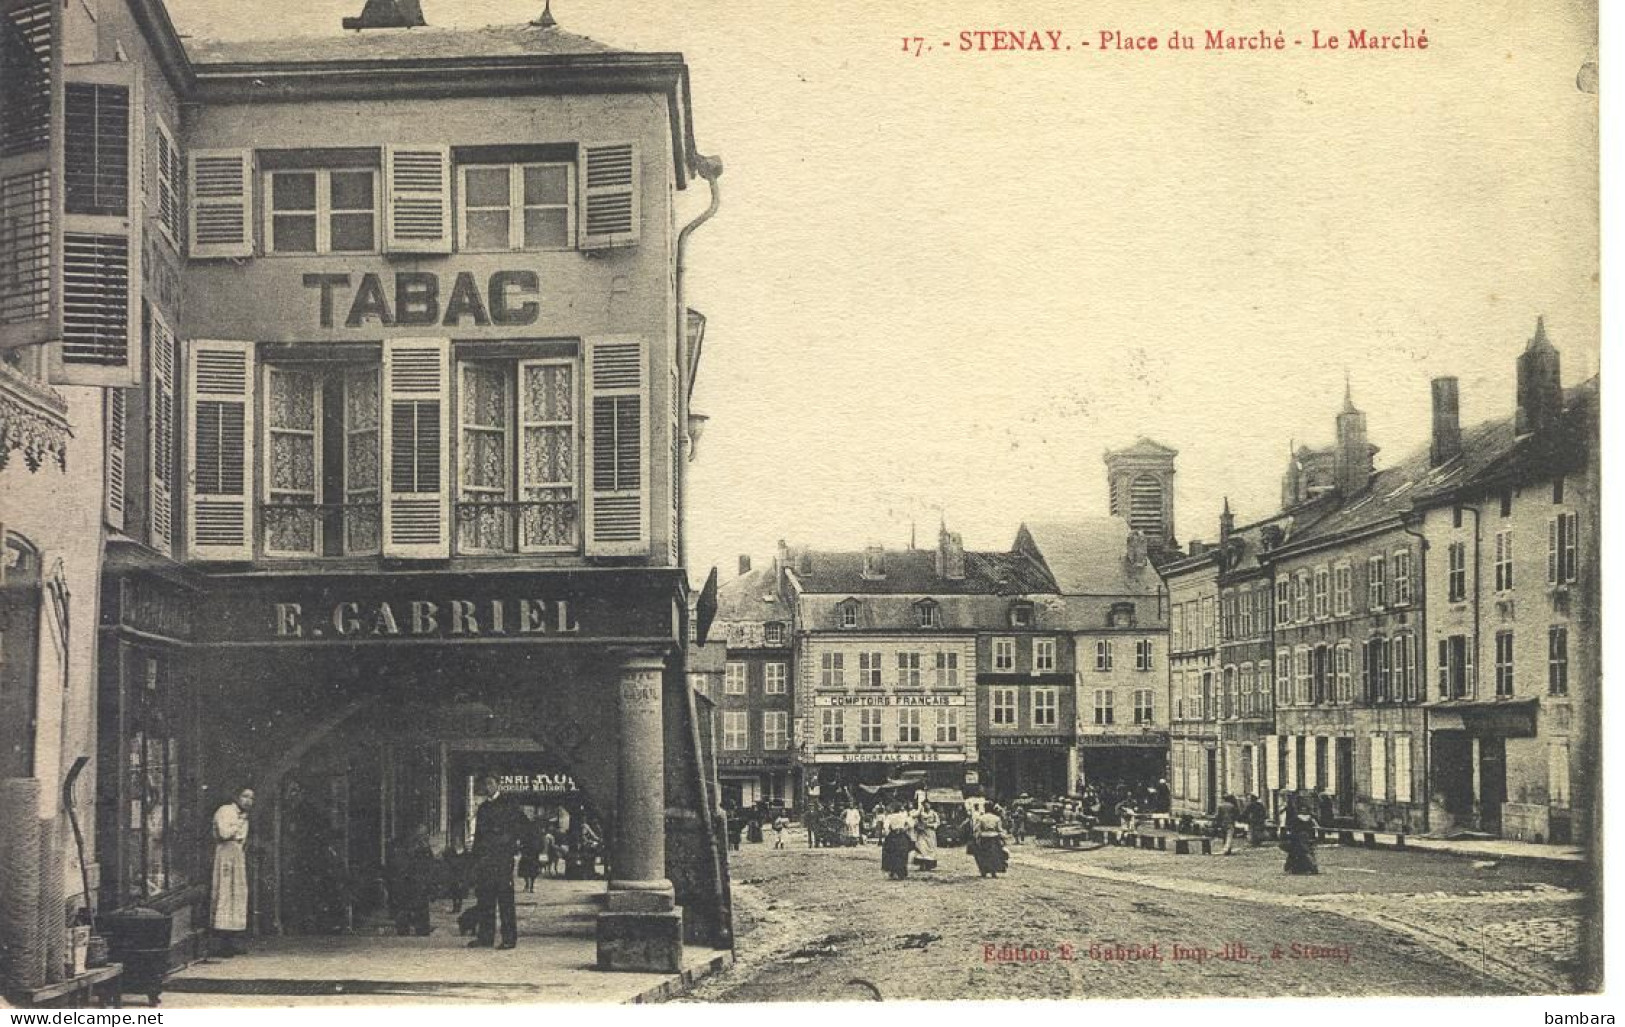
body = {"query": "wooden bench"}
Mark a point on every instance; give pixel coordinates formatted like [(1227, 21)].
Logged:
[(1070, 835), (1191, 846), (99, 985)]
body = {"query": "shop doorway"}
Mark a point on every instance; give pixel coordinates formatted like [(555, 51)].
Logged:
[(1345, 777), (1492, 783)]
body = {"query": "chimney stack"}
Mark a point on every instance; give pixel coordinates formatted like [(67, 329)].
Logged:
[(950, 556), (1540, 383), (1446, 422), (744, 564)]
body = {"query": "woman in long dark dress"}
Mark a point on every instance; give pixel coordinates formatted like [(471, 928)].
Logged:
[(1298, 830), (987, 843), (896, 843)]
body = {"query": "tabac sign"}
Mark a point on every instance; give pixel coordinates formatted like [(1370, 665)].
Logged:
[(421, 299), (462, 609)]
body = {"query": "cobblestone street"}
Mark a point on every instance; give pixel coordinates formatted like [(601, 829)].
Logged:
[(826, 924)]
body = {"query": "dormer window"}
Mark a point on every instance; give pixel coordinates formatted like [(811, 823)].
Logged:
[(1021, 615), (1120, 616), (928, 613), (773, 633), (846, 614)]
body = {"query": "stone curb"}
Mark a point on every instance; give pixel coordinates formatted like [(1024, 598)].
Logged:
[(682, 982)]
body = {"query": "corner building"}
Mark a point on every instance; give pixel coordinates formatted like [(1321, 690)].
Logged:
[(430, 391)]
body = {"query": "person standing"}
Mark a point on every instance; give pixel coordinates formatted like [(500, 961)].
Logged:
[(987, 842), (228, 905), (851, 826), (896, 842), (780, 824), (1298, 831), (1256, 817), (926, 822), (1224, 823), (498, 825)]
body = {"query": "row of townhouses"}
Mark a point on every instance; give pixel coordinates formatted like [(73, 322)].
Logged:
[(343, 421), (1411, 648)]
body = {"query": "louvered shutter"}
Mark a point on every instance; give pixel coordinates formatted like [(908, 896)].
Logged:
[(100, 341), (31, 110), (610, 201), (221, 191), (114, 468), (160, 432), (220, 450), (417, 210), (417, 376), (617, 448)]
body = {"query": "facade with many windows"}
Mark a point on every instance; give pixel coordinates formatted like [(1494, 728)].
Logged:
[(756, 755), (1512, 527), (1194, 758)]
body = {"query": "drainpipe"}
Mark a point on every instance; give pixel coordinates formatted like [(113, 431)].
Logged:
[(710, 169), (1421, 666), (1478, 650)]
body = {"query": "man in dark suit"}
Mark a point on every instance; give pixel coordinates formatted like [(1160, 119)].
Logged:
[(498, 825)]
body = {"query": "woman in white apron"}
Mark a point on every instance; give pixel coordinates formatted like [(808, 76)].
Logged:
[(228, 907)]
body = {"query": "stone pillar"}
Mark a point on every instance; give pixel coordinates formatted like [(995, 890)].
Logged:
[(641, 929)]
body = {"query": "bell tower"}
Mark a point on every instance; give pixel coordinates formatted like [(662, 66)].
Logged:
[(1141, 481)]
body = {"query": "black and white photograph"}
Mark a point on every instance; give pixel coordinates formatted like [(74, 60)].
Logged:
[(509, 503)]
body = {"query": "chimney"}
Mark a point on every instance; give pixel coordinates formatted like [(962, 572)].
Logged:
[(1446, 422), (950, 556), (388, 14), (1353, 464), (1540, 383), (874, 562), (744, 564), (1195, 548)]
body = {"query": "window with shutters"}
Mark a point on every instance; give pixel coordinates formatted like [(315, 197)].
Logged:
[(1379, 767), (1343, 672), (516, 452), (114, 465), (618, 515), (1503, 560), (1455, 667), (221, 203), (1557, 660), (1303, 671), (1376, 582), (610, 197), (1103, 654), (322, 445), (1323, 590), (1503, 664), (161, 383), (1283, 603), (321, 210), (220, 450), (1342, 590), (1283, 677), (503, 207), (1402, 577), (30, 80), (96, 145), (1456, 572), (1563, 549), (1143, 654), (166, 166)]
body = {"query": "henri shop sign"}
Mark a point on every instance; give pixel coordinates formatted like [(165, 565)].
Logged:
[(424, 298)]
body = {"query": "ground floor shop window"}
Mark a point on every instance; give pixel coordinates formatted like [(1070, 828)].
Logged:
[(154, 857)]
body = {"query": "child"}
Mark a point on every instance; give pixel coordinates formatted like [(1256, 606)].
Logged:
[(779, 824)]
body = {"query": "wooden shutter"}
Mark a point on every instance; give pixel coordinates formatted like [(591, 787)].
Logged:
[(220, 450), (160, 432), (31, 113), (416, 422), (100, 342), (417, 206), (221, 190), (617, 448), (114, 467), (610, 200)]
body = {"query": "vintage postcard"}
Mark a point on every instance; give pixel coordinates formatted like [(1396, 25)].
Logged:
[(512, 502)]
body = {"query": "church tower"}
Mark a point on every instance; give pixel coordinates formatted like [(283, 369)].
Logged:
[(1141, 480)]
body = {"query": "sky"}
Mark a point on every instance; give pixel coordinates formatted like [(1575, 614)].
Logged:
[(941, 286)]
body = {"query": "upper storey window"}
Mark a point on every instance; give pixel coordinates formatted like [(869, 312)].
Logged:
[(516, 207), (324, 210)]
